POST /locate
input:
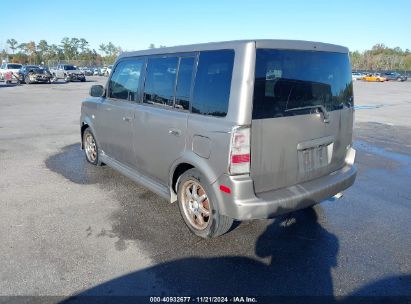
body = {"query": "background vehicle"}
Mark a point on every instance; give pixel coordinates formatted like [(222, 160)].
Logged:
[(9, 68), (394, 76), (67, 72), (103, 71), (357, 75), (232, 130), (374, 78), (96, 72), (34, 74), (107, 71), (87, 71)]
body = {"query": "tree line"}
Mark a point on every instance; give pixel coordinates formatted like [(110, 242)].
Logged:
[(381, 58), (69, 49), (378, 58)]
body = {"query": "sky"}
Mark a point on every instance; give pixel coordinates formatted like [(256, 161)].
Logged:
[(133, 25)]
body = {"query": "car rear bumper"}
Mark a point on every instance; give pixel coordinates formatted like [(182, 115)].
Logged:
[(243, 204), (76, 76)]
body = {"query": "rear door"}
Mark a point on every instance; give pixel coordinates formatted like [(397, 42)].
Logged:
[(161, 120), (302, 116)]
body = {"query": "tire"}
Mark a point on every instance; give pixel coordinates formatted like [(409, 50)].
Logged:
[(90, 147), (27, 79), (198, 206), (54, 78), (83, 79), (66, 78)]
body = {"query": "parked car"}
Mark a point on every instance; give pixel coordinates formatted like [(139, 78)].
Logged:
[(107, 71), (34, 74), (87, 71), (67, 72), (374, 78), (203, 125), (96, 71), (103, 71), (357, 75), (9, 68), (394, 76)]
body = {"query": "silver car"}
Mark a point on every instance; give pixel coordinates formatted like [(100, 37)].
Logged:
[(231, 130)]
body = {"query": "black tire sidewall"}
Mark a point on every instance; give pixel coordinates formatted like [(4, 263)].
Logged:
[(97, 160), (215, 216)]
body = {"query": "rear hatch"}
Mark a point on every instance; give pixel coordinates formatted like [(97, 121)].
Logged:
[(302, 116)]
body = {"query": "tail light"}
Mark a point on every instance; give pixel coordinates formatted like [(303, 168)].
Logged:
[(240, 151)]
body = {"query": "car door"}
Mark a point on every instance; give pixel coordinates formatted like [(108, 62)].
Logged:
[(116, 112), (161, 119)]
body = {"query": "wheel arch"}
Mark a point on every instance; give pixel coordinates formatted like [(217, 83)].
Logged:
[(86, 123), (187, 162)]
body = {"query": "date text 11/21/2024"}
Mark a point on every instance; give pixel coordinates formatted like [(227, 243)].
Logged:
[(239, 299)]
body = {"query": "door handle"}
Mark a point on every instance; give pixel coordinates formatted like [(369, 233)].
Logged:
[(175, 132), (127, 118)]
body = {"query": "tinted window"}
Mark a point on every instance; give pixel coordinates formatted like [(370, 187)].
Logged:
[(289, 80), (125, 80), (213, 81), (14, 66), (160, 81), (69, 68), (184, 80)]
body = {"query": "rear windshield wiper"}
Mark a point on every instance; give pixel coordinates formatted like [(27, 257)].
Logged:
[(320, 107)]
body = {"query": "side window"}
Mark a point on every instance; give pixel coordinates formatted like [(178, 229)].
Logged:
[(184, 80), (160, 81), (125, 79), (213, 82)]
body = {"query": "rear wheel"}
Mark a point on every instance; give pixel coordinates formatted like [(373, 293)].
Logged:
[(198, 206)]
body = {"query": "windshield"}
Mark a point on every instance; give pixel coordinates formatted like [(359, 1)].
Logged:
[(14, 66), (69, 67), (300, 80)]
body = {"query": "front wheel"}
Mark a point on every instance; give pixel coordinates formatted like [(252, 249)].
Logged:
[(198, 206), (90, 147)]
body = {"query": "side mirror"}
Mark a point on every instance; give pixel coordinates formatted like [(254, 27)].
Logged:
[(97, 90)]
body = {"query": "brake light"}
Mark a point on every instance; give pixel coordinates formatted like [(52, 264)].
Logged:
[(240, 151)]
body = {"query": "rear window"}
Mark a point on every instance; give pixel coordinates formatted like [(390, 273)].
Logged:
[(293, 82), (14, 66), (213, 82), (69, 68)]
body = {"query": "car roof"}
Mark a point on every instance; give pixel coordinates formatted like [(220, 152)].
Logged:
[(260, 43)]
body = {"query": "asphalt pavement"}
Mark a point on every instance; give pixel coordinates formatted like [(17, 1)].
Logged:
[(69, 228)]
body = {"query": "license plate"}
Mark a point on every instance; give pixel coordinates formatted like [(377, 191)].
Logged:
[(312, 159)]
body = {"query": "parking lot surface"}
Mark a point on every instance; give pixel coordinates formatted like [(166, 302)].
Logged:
[(70, 228)]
